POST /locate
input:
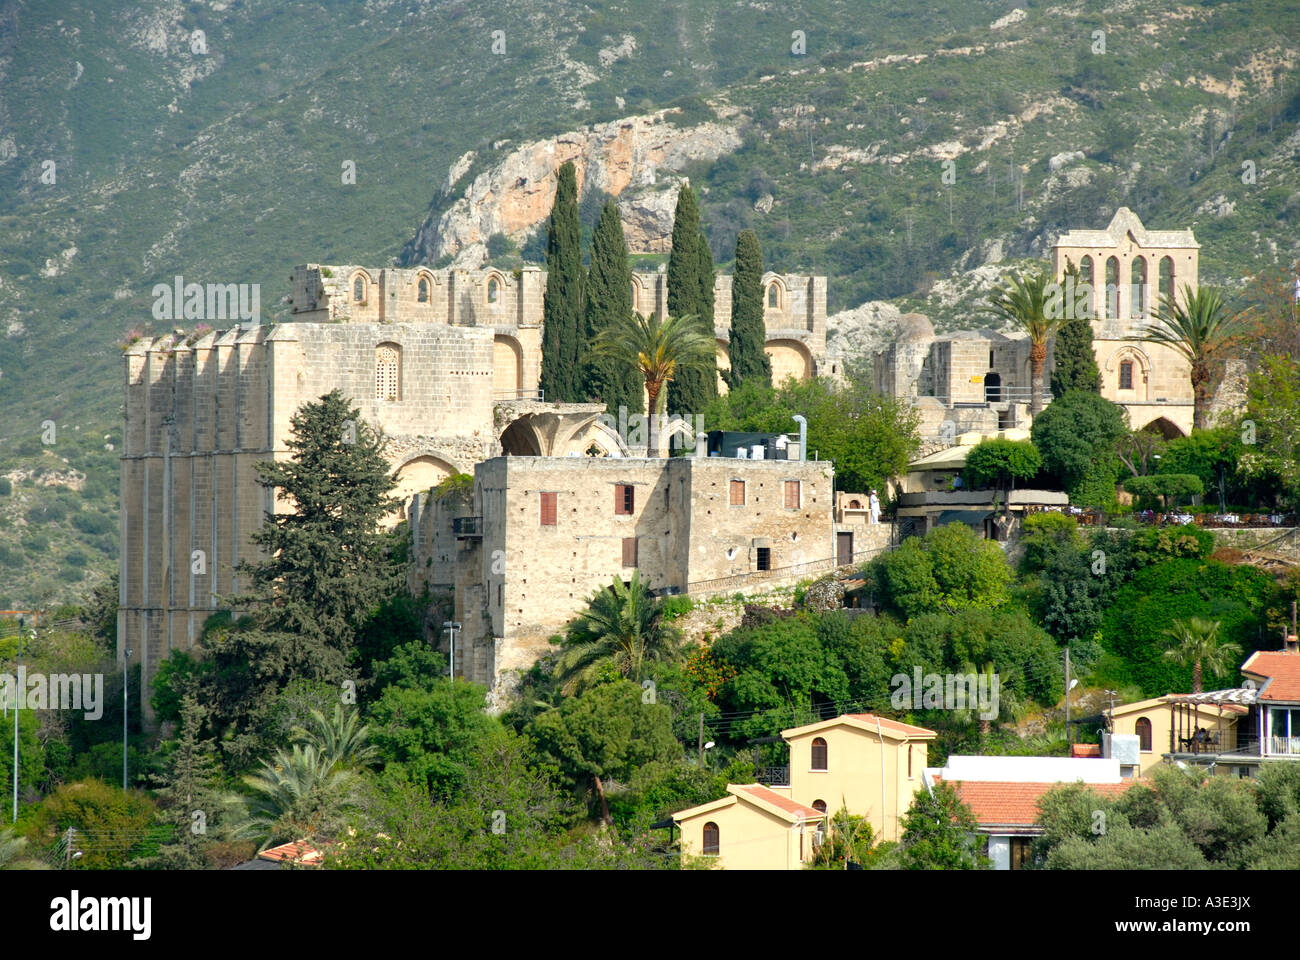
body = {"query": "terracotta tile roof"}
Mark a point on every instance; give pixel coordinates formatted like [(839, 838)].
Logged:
[(1281, 668), (760, 792), (1003, 803), (295, 851), (895, 726)]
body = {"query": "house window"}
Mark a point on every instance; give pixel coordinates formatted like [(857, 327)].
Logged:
[(818, 753), (629, 551), (388, 372), (359, 289), (737, 493), (710, 839), (493, 290), (624, 499), (1126, 375), (773, 296), (423, 295), (1143, 730), (548, 509), (819, 806), (765, 558), (792, 494)]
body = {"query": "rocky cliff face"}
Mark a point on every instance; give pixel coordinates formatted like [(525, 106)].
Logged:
[(637, 159)]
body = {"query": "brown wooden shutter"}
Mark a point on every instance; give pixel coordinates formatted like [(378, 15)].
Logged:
[(629, 551), (737, 493), (548, 509), (624, 499), (792, 494)]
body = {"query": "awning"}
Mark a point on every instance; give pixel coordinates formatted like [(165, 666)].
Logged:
[(963, 516)]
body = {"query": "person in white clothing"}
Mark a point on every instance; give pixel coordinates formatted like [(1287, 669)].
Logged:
[(875, 507)]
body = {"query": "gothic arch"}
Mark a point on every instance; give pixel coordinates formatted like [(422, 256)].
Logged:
[(1163, 426), (722, 360), (424, 287), (520, 440), (420, 471), (605, 440), (359, 284), (637, 294), (388, 372), (507, 366), (790, 358), (774, 289)]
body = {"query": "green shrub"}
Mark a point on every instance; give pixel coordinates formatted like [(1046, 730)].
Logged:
[(1169, 487), (6, 486), (111, 822), (92, 524), (674, 608), (36, 543)]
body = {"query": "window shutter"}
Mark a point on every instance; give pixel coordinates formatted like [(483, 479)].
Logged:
[(629, 551), (548, 509), (792, 494), (737, 493), (623, 499)]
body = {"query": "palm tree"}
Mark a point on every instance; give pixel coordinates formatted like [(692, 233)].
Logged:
[(295, 795), (657, 349), (1197, 642), (340, 738), (623, 628), (1196, 328), (1021, 302)]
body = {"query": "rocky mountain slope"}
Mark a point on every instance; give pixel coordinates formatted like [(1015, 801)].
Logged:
[(906, 150)]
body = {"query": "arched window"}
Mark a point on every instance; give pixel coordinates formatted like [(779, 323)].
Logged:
[(1143, 730), (1166, 278), (818, 754), (1086, 277), (1112, 288), (388, 372), (773, 296), (819, 806), (1138, 288), (359, 289), (855, 505), (424, 290), (710, 839), (493, 290)]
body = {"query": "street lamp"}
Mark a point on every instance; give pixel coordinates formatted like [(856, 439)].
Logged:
[(451, 627)]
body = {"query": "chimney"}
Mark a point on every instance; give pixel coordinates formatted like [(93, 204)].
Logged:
[(1292, 644)]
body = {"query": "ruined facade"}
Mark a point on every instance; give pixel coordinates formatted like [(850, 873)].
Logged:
[(445, 363), (980, 379)]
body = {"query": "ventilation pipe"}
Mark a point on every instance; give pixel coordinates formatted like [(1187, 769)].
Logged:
[(803, 435)]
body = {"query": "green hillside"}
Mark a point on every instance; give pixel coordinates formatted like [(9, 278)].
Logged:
[(225, 166)]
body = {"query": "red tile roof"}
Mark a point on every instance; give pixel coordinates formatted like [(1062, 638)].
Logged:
[(761, 792), (295, 851), (1002, 803), (894, 726), (1281, 668)]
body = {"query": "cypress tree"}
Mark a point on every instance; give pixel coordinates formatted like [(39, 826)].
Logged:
[(1075, 362), (562, 304), (609, 299), (693, 386), (706, 277), (748, 333)]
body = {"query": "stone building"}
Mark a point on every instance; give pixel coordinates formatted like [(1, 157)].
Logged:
[(541, 534), (979, 380), (446, 363)]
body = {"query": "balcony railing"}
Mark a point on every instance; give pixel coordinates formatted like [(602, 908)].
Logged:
[(467, 528), (506, 395), (772, 776)]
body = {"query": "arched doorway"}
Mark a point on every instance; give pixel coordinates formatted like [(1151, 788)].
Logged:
[(519, 440), (992, 387)]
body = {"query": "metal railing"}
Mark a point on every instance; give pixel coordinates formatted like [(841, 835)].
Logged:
[(772, 776)]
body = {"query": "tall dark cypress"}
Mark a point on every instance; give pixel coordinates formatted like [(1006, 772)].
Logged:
[(609, 298), (692, 387), (562, 304), (748, 333), (1074, 362)]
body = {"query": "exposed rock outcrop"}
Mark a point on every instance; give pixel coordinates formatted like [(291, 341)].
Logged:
[(637, 159)]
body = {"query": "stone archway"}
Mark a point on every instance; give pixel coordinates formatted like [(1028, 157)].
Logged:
[(520, 440), (790, 358), (723, 362), (507, 366), (1165, 427), (416, 475)]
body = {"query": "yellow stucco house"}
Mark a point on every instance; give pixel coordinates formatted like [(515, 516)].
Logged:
[(871, 765), (1162, 725)]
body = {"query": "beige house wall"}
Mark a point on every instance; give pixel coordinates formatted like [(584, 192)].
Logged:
[(1161, 714), (749, 838)]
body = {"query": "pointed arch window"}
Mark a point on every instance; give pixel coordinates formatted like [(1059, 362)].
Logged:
[(388, 372), (493, 290), (1112, 288), (1138, 288), (1086, 276), (423, 294), (359, 289), (1166, 278), (773, 296)]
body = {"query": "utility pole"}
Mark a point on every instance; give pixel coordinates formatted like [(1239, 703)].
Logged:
[(1068, 738), (451, 627), (21, 624), (126, 684)]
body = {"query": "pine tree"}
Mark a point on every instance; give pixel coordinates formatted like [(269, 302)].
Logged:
[(692, 388), (562, 304), (609, 298), (326, 567), (749, 361), (189, 795)]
